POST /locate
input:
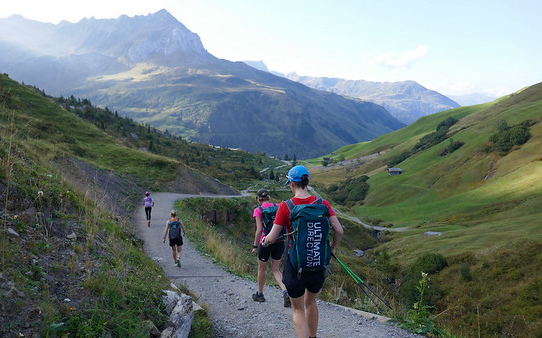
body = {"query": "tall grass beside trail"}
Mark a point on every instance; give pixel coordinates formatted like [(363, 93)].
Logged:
[(74, 269), (229, 243)]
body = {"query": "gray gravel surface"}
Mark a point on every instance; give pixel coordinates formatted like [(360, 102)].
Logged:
[(228, 297)]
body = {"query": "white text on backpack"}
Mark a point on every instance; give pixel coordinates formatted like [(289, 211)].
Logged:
[(314, 240)]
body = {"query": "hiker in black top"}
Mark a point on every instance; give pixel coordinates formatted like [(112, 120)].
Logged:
[(302, 286), (173, 230), (265, 212)]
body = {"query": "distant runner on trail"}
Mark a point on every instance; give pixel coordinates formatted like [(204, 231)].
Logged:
[(264, 215), (173, 231), (148, 203), (308, 220)]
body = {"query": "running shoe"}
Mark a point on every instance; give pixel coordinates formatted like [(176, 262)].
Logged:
[(258, 298), (176, 263), (286, 299)]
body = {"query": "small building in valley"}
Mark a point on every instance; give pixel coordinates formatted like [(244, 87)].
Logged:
[(395, 171)]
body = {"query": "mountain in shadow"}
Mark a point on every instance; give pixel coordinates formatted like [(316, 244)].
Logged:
[(156, 71)]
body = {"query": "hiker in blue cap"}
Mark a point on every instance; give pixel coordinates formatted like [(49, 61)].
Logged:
[(304, 283)]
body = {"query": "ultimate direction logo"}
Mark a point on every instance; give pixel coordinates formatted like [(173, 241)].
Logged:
[(314, 241)]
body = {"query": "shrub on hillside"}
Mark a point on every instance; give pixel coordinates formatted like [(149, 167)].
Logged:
[(430, 264), (507, 137), (428, 141), (350, 191), (450, 121), (454, 145)]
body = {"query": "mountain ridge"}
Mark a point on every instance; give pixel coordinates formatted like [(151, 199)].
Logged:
[(405, 100), (194, 94)]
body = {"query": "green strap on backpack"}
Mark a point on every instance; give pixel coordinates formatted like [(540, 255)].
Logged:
[(310, 249)]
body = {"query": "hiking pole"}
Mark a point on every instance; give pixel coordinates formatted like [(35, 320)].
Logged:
[(369, 288), (362, 284)]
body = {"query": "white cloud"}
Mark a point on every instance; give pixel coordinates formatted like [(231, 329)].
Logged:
[(459, 88), (455, 87), (404, 60)]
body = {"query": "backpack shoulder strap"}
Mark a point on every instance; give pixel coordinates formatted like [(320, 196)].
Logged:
[(290, 204), (261, 208), (319, 201)]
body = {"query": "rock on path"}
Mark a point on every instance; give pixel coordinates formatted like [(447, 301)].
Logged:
[(228, 297)]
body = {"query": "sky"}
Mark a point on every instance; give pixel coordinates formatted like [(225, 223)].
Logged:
[(455, 47)]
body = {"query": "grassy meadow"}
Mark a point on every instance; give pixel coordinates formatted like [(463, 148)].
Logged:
[(486, 205)]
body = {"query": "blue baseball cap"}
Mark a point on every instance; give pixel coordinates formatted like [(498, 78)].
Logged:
[(295, 174)]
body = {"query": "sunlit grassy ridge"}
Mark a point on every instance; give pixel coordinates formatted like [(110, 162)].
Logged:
[(485, 204), (120, 144)]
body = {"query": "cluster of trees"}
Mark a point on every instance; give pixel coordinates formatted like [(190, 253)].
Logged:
[(224, 164), (428, 141), (507, 137), (351, 191)]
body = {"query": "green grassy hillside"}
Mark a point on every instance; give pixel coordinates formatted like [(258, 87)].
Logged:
[(70, 263), (486, 205)]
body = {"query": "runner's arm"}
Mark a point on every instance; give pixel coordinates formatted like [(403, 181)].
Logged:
[(258, 233), (165, 231), (338, 232), (259, 230), (272, 237)]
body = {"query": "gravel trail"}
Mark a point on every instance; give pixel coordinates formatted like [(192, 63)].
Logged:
[(228, 297)]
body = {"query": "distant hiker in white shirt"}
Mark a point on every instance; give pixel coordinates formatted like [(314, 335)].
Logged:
[(148, 203)]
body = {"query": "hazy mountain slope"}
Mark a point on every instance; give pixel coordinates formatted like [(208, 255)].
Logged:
[(155, 70), (262, 114), (472, 99), (406, 101)]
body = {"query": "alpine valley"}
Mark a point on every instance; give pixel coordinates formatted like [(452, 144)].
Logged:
[(154, 70)]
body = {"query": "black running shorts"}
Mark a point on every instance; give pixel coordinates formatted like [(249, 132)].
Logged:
[(310, 280), (274, 250), (176, 241)]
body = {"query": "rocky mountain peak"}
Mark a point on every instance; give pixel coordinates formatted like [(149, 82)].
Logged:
[(157, 37)]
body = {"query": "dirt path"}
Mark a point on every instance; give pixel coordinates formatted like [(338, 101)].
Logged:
[(228, 297)]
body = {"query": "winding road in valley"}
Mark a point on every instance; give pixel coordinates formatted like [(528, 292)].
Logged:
[(228, 297)]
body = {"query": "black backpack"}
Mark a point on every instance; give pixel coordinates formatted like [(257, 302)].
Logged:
[(174, 228), (310, 249)]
